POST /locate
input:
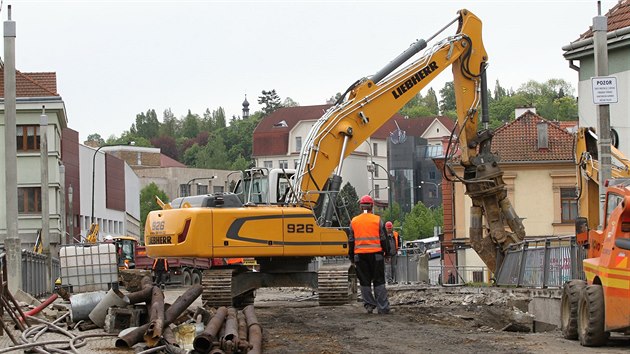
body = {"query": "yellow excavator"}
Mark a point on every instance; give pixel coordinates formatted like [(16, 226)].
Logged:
[(285, 218)]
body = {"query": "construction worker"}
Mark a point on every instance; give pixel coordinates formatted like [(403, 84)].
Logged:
[(366, 252), (160, 269), (390, 264)]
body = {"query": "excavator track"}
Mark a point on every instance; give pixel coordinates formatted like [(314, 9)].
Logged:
[(217, 287), (335, 285)]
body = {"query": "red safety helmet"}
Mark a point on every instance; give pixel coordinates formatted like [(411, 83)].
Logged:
[(389, 225), (366, 199)]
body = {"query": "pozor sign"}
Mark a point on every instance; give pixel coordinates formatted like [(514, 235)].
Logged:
[(604, 89)]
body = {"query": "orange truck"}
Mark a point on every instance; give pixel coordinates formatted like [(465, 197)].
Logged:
[(592, 309)]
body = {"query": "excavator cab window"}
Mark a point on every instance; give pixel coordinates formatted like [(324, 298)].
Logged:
[(253, 188), (613, 200), (125, 252)]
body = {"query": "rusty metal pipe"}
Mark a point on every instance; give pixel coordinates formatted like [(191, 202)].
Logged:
[(243, 345), (14, 316), (143, 295), (179, 306), (156, 318), (229, 342), (254, 330), (203, 342)]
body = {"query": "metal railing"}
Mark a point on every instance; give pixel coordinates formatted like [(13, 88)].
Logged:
[(544, 263), (34, 273)]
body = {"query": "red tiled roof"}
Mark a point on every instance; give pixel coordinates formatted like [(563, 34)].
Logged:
[(271, 136), (518, 141), (618, 17), (32, 84), (166, 161)]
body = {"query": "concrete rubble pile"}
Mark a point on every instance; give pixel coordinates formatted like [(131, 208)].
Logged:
[(139, 320)]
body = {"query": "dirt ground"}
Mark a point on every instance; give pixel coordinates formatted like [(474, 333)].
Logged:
[(438, 320), (422, 322)]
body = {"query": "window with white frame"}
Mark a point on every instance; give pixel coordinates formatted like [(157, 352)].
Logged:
[(283, 164), (298, 143), (27, 138), (268, 164)]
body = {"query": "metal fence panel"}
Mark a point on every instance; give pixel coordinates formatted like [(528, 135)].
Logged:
[(509, 271), (542, 263), (34, 273)]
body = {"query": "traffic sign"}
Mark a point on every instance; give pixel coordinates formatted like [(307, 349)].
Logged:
[(604, 89)]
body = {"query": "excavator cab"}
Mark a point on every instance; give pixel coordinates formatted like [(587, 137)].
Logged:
[(125, 251), (264, 186)]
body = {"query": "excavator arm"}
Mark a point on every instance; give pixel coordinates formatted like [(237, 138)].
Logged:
[(371, 101), (586, 158)]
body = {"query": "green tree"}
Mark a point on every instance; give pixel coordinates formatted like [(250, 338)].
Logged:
[(96, 138), (189, 157), (347, 204), (213, 155), (447, 103), (170, 124), (218, 118), (147, 125), (289, 102), (566, 108), (499, 91), (240, 164), (394, 214), (417, 111), (148, 203), (270, 101), (190, 125), (419, 222), (431, 102), (334, 98)]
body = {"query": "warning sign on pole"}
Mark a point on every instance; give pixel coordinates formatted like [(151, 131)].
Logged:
[(604, 89)]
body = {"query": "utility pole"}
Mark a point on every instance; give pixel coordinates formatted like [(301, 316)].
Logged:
[(43, 150), (12, 242), (600, 51)]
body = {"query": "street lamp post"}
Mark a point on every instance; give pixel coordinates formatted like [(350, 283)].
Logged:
[(437, 188), (437, 185), (94, 172), (198, 178), (70, 235)]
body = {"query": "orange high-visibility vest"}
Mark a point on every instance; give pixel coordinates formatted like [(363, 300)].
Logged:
[(396, 239), (366, 229), (165, 263)]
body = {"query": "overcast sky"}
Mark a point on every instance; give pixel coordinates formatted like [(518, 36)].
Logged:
[(115, 59)]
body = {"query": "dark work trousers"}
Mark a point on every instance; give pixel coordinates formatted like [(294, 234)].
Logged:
[(371, 272)]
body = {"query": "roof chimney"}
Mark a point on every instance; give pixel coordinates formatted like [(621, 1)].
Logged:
[(543, 135)]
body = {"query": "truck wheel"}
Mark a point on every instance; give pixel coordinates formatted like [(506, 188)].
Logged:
[(591, 317), (569, 308), (196, 278), (187, 278)]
